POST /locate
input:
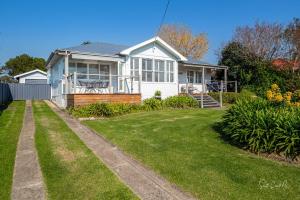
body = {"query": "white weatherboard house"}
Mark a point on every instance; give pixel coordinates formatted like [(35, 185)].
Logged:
[(106, 72), (32, 77)]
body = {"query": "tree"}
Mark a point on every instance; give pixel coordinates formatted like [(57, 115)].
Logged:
[(249, 69), (182, 39), (24, 63), (292, 38), (263, 39)]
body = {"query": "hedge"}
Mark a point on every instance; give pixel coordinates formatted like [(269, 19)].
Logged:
[(231, 97), (115, 109)]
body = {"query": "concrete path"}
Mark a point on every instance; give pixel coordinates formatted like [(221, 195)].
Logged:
[(27, 179), (142, 181)]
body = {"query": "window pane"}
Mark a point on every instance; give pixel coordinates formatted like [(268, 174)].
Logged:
[(143, 76), (168, 77), (171, 77), (136, 63), (149, 76), (149, 65), (82, 70), (161, 76), (190, 76), (104, 69), (161, 66), (156, 76), (72, 68), (198, 77), (104, 78), (94, 69), (134, 68), (171, 66), (143, 64)]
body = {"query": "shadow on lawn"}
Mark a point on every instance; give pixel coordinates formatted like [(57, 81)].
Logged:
[(218, 127), (4, 107)]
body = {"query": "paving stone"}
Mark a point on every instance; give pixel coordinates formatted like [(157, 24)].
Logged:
[(27, 179)]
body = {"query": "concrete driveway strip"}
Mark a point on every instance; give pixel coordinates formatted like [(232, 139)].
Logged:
[(27, 179), (143, 182)]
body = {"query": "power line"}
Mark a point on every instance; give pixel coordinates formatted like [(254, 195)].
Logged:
[(163, 18)]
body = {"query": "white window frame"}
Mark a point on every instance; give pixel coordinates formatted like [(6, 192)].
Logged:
[(196, 80), (170, 73), (88, 68), (146, 70), (158, 72), (134, 72)]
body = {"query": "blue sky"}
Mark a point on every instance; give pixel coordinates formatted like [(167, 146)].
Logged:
[(38, 27)]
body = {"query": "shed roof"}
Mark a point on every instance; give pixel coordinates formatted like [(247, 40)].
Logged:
[(30, 72)]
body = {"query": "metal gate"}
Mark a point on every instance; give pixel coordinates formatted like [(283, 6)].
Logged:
[(21, 91)]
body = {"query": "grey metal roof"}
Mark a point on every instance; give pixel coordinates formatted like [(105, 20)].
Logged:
[(192, 61), (98, 48)]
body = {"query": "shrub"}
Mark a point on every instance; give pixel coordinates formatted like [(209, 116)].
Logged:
[(275, 96), (231, 97), (157, 93), (152, 104), (180, 102), (258, 125), (103, 109)]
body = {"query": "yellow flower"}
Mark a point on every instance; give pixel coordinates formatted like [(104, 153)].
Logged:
[(278, 97), (275, 87), (288, 96), (269, 95)]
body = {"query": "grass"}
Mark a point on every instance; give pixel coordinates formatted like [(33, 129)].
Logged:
[(182, 146), (69, 168), (11, 120)]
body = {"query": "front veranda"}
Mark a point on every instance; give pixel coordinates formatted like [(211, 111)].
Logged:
[(105, 81)]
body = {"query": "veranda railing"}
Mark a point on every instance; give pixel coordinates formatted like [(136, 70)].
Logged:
[(102, 83)]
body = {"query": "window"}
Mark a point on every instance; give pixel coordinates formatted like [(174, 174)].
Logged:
[(198, 77), (93, 71), (134, 68), (82, 70), (194, 76), (72, 68), (159, 71), (170, 71), (147, 70), (190, 76), (104, 72)]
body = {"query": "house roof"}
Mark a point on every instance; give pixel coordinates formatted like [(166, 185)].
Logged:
[(30, 72), (192, 61), (158, 40), (97, 48)]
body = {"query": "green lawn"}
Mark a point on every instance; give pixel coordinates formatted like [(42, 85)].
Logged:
[(182, 146), (70, 169), (11, 120)]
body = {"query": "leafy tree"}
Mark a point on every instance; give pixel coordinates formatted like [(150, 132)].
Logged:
[(249, 69), (182, 39), (7, 79), (24, 63)]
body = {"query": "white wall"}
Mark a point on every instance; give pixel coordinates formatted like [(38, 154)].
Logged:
[(35, 75), (182, 77), (56, 79), (155, 51)]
